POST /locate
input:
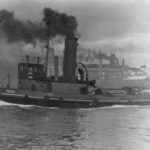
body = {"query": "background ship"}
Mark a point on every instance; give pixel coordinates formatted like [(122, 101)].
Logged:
[(115, 75)]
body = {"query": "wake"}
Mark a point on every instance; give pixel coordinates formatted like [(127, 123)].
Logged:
[(112, 107), (2, 104)]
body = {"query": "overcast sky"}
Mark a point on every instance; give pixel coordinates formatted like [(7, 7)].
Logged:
[(121, 26)]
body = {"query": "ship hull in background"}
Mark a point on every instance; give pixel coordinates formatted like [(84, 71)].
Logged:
[(119, 83), (119, 77)]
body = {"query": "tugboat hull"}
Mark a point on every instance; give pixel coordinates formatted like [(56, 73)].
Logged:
[(61, 102)]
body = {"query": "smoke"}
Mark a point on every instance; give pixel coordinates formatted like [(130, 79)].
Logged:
[(15, 30), (59, 23)]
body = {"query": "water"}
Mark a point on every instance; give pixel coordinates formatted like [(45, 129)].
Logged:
[(109, 128)]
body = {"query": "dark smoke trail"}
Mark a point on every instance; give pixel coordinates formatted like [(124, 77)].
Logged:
[(17, 30), (59, 23)]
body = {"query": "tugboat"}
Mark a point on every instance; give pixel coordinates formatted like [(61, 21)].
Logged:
[(66, 91)]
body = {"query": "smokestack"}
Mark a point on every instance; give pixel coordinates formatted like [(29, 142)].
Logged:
[(50, 62), (123, 62), (27, 59), (117, 61), (56, 67), (38, 60), (112, 59), (69, 64)]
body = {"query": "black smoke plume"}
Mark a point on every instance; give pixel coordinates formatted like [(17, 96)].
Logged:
[(59, 23), (16, 30)]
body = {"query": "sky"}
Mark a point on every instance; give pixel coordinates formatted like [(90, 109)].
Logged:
[(114, 26)]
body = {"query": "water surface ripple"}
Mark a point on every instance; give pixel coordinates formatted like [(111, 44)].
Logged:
[(110, 128)]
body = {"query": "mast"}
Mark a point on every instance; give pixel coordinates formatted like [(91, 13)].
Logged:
[(100, 64), (8, 81), (47, 52)]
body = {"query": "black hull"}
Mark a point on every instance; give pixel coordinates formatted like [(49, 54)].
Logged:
[(66, 103)]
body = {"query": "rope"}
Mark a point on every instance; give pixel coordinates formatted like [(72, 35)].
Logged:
[(6, 77)]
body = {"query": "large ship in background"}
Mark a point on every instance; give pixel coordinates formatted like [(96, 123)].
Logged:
[(109, 73)]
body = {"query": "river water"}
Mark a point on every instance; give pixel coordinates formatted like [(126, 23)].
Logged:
[(109, 128)]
